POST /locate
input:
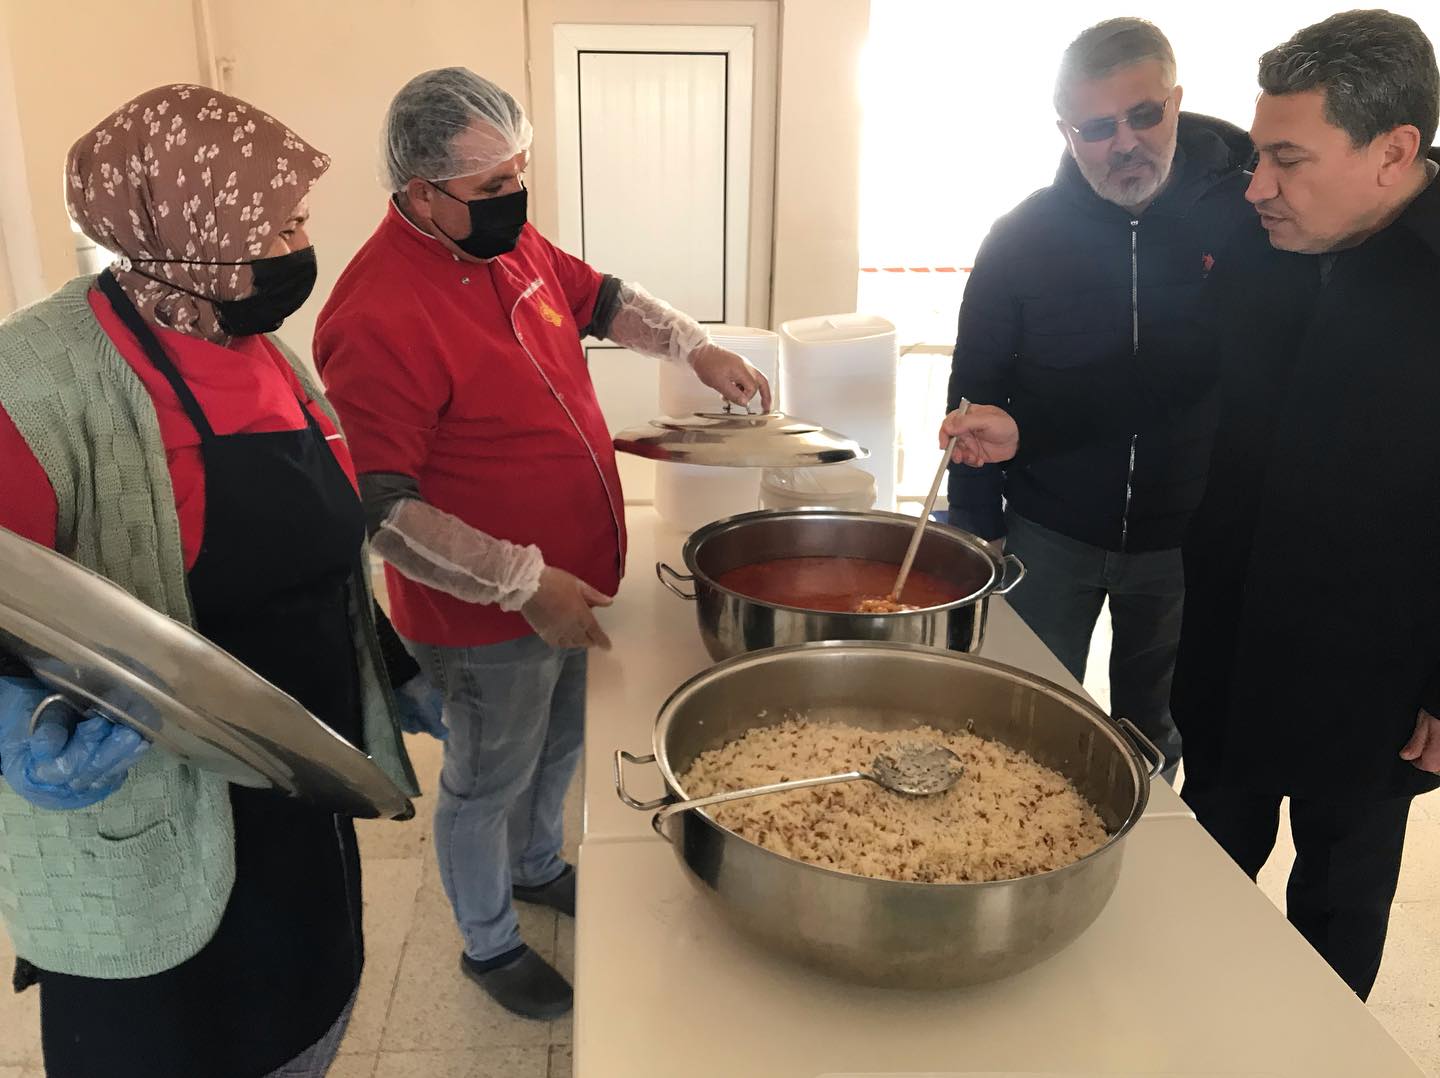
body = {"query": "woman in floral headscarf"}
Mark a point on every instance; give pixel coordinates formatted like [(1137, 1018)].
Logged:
[(150, 430)]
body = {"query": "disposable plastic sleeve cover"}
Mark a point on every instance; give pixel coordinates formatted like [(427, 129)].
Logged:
[(652, 327), (441, 551)]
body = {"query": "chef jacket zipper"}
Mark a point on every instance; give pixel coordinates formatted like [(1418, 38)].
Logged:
[(535, 286), (1134, 351)]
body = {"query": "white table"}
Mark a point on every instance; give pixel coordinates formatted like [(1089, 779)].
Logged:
[(1190, 972)]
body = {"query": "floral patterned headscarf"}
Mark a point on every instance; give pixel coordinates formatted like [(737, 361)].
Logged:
[(180, 181)]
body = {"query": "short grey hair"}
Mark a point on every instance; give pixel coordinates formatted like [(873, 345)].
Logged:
[(1106, 48), (1377, 70), (431, 123)]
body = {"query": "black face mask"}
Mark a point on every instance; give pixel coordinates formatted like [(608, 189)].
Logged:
[(495, 223), (282, 285)]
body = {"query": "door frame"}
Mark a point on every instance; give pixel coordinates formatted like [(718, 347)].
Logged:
[(745, 266)]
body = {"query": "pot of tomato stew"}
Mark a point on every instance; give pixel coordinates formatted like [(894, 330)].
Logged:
[(771, 578)]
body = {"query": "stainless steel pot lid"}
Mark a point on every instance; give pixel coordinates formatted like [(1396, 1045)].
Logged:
[(105, 650), (739, 440)]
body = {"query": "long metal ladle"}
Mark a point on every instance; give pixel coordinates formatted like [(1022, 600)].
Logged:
[(892, 604), (918, 770)]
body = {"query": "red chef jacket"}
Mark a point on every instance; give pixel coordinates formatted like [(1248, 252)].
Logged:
[(247, 388), (469, 378)]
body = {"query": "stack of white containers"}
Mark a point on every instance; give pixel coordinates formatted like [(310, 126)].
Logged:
[(690, 495), (840, 370)]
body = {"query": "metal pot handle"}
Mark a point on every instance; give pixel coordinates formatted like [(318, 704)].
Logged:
[(1147, 748), (53, 700), (621, 758), (1013, 573), (662, 570)]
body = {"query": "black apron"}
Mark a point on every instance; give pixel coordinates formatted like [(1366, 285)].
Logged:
[(282, 539)]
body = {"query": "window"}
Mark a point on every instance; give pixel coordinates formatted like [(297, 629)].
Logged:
[(959, 127)]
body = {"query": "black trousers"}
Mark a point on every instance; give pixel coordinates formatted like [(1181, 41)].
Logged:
[(1347, 864)]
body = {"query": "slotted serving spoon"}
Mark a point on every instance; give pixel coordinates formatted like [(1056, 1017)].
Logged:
[(917, 770), (891, 603)]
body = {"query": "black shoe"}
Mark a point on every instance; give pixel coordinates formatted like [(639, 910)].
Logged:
[(558, 894), (527, 985)]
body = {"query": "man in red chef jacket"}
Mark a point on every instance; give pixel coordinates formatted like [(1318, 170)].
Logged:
[(451, 348)]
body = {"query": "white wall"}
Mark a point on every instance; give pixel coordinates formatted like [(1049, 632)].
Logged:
[(330, 74), (72, 64), (817, 174), (8, 301), (328, 69), (21, 279)]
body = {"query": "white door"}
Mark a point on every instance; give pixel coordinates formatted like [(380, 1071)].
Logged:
[(653, 129)]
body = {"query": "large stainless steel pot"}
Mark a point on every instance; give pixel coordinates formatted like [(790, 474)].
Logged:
[(731, 623), (885, 932)]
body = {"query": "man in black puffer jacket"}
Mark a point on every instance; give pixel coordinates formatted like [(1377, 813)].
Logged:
[(1109, 260)]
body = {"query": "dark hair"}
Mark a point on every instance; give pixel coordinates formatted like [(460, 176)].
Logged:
[(1108, 46), (1377, 70)]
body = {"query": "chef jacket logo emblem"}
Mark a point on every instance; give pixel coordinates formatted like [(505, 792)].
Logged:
[(1207, 263), (549, 313)]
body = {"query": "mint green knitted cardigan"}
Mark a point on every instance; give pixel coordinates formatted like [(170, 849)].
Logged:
[(136, 884)]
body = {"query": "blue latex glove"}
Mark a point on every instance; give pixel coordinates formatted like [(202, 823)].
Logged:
[(421, 708), (70, 761)]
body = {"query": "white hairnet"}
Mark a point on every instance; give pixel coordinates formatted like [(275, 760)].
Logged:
[(451, 122)]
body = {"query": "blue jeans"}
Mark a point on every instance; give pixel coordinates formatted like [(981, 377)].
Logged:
[(516, 714), (1066, 583)]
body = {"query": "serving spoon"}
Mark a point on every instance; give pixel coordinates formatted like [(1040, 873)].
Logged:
[(891, 604), (920, 769)]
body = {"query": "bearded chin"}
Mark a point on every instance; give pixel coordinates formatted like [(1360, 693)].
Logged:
[(1129, 192)]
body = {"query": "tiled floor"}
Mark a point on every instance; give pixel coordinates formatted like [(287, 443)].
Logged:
[(418, 1016)]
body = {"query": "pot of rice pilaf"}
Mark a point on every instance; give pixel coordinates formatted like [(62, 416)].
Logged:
[(994, 875)]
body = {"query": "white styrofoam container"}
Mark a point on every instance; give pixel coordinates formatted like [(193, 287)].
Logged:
[(682, 393), (831, 486), (840, 370), (689, 496)]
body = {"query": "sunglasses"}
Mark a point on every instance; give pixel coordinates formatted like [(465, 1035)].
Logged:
[(1141, 118)]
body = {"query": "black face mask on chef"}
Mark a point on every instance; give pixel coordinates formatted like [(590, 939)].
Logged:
[(282, 285), (495, 223)]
